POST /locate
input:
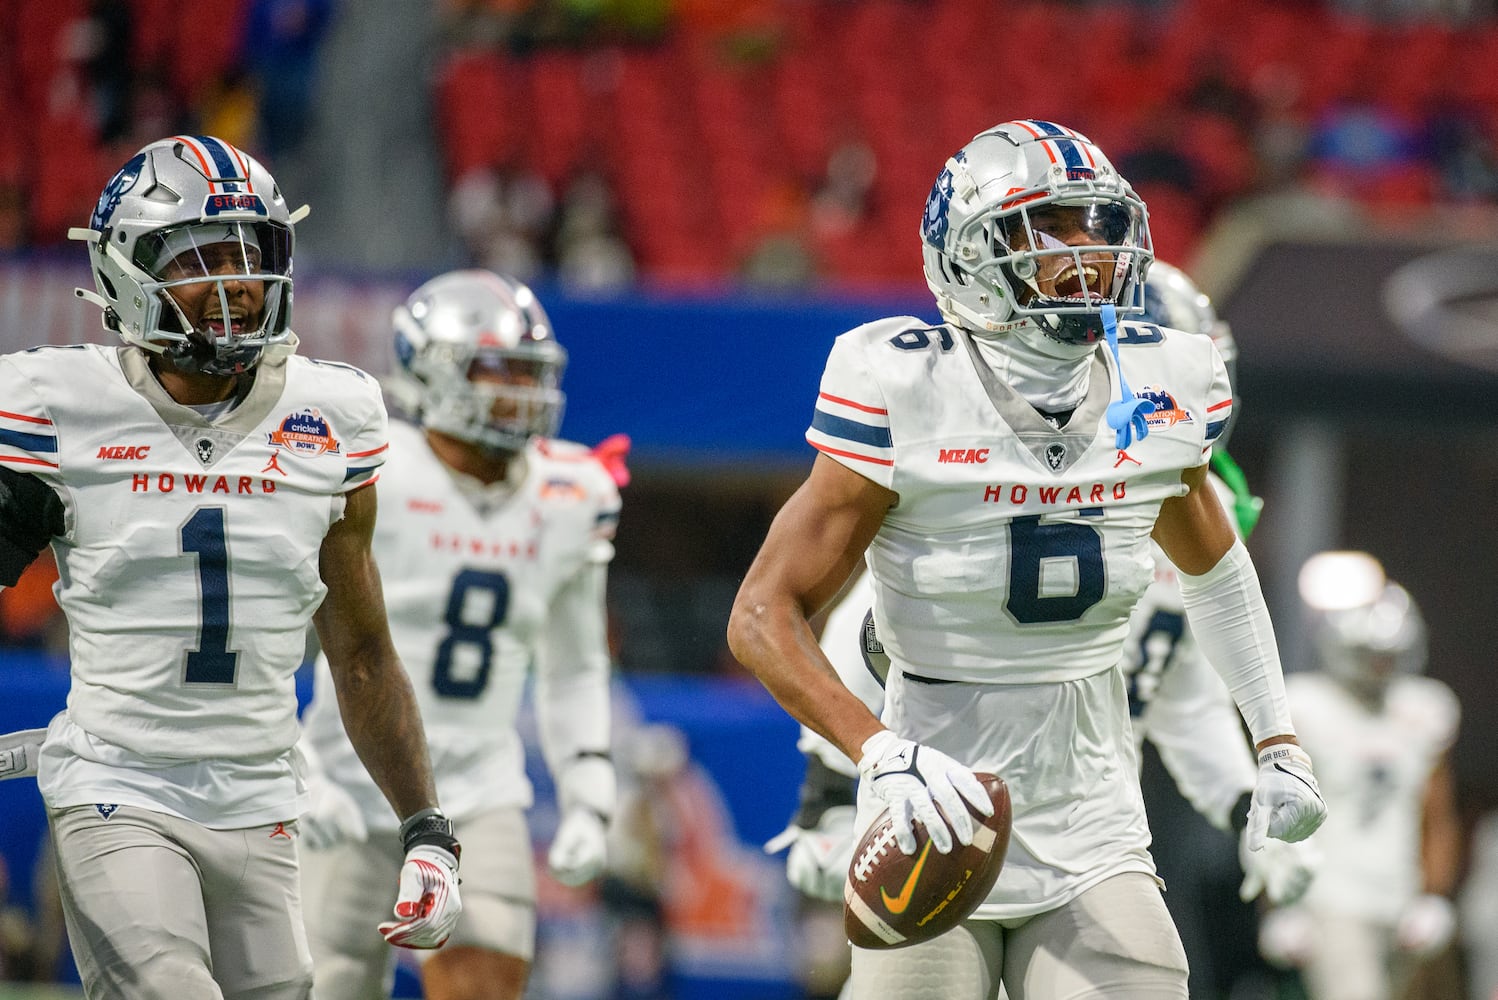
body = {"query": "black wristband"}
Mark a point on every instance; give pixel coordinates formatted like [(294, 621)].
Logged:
[(429, 827), (822, 789), (1238, 818)]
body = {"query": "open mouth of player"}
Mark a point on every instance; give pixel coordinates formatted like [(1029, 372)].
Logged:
[(1072, 284), (218, 326)]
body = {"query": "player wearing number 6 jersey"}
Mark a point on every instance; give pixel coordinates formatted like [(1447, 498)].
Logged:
[(208, 494), (1005, 472), (494, 549)]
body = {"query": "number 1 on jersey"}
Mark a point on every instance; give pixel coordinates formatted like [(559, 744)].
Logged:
[(203, 536)]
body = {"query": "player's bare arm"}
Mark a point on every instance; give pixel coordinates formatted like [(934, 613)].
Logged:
[(812, 547), (1193, 529), (374, 694), (1440, 832)]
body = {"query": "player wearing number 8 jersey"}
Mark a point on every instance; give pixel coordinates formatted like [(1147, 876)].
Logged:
[(494, 552), (208, 494), (1005, 472)]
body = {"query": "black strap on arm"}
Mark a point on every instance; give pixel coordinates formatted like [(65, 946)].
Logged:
[(31, 515), (429, 827), (821, 789)]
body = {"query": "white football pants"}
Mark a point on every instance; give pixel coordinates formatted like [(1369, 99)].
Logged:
[(1114, 941)]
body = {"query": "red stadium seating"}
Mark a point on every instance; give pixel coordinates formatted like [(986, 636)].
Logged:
[(706, 131)]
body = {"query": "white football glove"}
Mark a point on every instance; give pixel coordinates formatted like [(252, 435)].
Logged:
[(913, 779), (817, 865), (1287, 804), (1281, 871), (428, 906), (19, 752), (580, 848), (333, 818), (1426, 925), (1287, 937)]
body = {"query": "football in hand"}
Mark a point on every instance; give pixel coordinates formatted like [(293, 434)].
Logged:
[(892, 899)]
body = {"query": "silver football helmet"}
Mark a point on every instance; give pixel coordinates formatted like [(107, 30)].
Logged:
[(1172, 299), (1004, 212), (185, 211), (1366, 647), (1366, 628), (477, 360)]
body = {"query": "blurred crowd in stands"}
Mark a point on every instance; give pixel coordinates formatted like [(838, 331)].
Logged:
[(779, 142), (85, 83)]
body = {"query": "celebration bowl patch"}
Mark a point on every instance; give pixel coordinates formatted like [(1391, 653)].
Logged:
[(1167, 412), (305, 432)]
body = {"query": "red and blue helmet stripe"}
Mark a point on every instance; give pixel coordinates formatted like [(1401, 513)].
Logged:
[(221, 163)]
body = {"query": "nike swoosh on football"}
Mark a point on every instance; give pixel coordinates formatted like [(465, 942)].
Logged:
[(898, 904)]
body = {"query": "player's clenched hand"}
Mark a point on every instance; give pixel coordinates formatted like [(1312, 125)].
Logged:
[(1281, 871), (579, 849), (817, 864), (428, 906), (1287, 804), (913, 779), (1426, 925)]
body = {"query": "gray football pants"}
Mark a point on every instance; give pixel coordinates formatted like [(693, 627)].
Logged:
[(159, 908), (1114, 941)]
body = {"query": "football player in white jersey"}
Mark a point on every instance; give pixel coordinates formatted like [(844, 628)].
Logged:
[(208, 494), (1382, 733), (1006, 482), (1177, 701), (495, 565)]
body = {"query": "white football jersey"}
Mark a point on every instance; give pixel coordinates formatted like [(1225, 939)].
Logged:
[(1016, 550), (1011, 563), (188, 569), (1176, 699), (1373, 766), (476, 598)]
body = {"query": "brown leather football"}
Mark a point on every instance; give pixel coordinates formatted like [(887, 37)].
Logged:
[(892, 899)]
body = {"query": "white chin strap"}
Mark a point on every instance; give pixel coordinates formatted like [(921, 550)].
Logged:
[(1049, 375)]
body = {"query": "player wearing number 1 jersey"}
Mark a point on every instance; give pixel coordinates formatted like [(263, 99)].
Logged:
[(1005, 472), (208, 494), (494, 549)]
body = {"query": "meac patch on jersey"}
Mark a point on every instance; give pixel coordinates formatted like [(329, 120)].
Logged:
[(189, 565), (1016, 549)]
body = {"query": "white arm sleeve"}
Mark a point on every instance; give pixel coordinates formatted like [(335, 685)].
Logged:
[(572, 695), (1230, 620)]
